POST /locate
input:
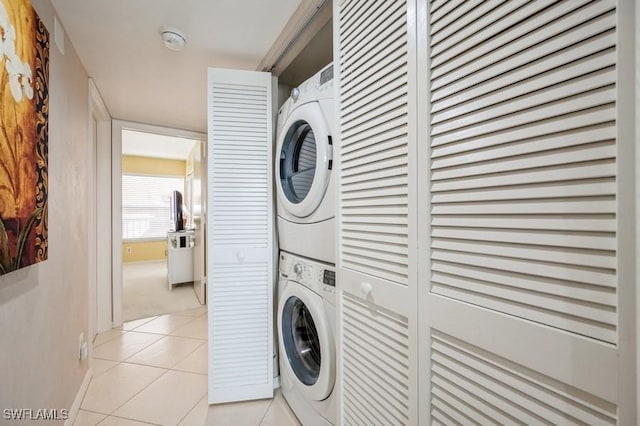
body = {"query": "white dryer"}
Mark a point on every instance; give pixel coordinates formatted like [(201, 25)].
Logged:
[(306, 330), (304, 163)]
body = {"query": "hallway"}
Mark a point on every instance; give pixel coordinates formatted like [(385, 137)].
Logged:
[(154, 371)]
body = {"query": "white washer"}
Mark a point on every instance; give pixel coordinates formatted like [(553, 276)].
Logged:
[(306, 330), (304, 178)]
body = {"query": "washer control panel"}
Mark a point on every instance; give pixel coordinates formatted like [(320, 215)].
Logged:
[(284, 264), (329, 278), (318, 277)]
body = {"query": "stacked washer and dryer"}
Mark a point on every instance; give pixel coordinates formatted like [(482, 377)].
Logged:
[(306, 229)]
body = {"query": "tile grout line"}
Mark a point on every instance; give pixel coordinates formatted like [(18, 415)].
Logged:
[(193, 408), (187, 356), (113, 338), (136, 394), (170, 368), (149, 319), (108, 369), (192, 318), (125, 418), (157, 341), (89, 411), (266, 411)]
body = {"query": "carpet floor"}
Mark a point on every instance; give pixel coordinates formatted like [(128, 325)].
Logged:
[(146, 291)]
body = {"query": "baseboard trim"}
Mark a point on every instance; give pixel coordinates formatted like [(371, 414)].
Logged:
[(75, 407)]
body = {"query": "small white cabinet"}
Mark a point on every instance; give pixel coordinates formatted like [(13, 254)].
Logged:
[(179, 257)]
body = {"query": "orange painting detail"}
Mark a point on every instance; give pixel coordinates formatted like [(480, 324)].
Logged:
[(24, 111)]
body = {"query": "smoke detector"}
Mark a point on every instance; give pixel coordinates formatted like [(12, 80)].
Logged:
[(173, 38)]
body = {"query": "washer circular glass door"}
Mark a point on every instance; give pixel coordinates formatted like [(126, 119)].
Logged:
[(301, 341), (306, 341), (302, 171)]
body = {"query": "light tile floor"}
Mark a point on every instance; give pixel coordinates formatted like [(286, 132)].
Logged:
[(153, 371)]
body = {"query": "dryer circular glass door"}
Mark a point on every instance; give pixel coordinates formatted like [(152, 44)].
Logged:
[(306, 341), (304, 152)]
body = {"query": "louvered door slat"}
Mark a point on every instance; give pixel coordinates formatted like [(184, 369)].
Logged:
[(391, 104), (390, 362), (375, 18), (395, 393), (582, 136), (555, 126), (392, 136), (469, 24), (364, 92), (452, 11), (574, 104), (533, 191), (579, 222), (388, 53), (593, 241), (588, 258), (523, 396), (391, 142), (593, 276), (558, 173), (584, 153), (495, 63), (376, 194), (538, 25), (360, 85), (556, 93), (239, 237)]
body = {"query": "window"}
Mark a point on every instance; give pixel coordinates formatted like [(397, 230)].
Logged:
[(146, 205)]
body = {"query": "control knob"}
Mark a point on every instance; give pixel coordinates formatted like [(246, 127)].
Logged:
[(297, 268)]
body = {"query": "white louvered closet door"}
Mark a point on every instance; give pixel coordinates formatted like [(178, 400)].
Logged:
[(521, 313), (377, 295), (240, 236)]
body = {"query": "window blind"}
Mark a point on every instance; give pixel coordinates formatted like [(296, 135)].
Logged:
[(146, 205)]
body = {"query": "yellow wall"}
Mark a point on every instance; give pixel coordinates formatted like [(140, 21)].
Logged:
[(153, 166), (149, 250), (144, 251)]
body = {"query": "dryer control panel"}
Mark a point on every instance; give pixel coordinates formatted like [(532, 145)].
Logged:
[(320, 86)]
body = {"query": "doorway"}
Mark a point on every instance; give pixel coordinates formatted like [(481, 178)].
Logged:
[(150, 165)]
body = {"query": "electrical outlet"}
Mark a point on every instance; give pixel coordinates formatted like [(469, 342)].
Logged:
[(84, 351), (129, 250), (83, 348)]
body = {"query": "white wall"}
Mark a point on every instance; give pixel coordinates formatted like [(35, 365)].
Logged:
[(43, 308)]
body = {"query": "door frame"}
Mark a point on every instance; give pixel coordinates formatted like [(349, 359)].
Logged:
[(99, 220), (116, 184)]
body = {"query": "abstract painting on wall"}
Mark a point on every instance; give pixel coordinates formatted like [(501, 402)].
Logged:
[(24, 116)]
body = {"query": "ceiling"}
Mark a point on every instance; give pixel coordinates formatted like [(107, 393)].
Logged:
[(139, 79), (152, 145)]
